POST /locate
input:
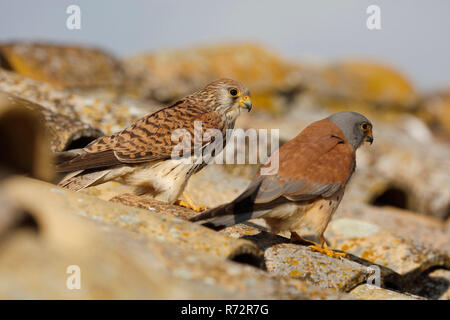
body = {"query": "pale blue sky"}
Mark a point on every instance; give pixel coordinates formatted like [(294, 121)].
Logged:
[(414, 37)]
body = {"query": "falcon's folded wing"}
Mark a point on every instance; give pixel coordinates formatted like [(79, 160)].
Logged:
[(147, 139)]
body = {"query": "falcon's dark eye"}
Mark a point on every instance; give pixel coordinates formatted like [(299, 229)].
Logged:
[(233, 92), (365, 126)]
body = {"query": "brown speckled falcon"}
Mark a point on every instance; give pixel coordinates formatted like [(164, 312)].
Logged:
[(140, 155), (314, 169)]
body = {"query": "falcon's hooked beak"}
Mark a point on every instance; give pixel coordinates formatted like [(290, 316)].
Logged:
[(246, 103), (369, 136)]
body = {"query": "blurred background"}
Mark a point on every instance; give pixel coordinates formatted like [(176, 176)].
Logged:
[(302, 60), (412, 36)]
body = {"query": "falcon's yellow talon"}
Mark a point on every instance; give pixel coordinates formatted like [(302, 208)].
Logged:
[(190, 204), (182, 203), (328, 252)]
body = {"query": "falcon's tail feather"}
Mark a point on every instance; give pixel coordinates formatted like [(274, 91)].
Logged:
[(63, 156), (211, 213), (221, 222), (78, 180), (78, 159), (231, 207), (239, 210)]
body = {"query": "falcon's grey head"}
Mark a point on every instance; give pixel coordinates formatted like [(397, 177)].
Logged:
[(355, 126)]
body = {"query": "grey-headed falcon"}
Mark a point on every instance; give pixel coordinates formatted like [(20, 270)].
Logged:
[(314, 169)]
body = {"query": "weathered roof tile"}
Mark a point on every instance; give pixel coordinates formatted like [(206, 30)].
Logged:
[(117, 263), (370, 242), (371, 292)]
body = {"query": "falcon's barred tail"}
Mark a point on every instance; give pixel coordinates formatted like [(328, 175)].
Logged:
[(223, 221), (64, 156), (239, 210), (218, 212), (78, 180)]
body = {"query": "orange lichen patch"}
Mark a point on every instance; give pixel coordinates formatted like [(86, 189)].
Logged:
[(291, 261), (169, 74), (436, 112), (63, 66), (371, 255), (351, 243), (240, 61), (295, 273), (368, 81), (266, 100)]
